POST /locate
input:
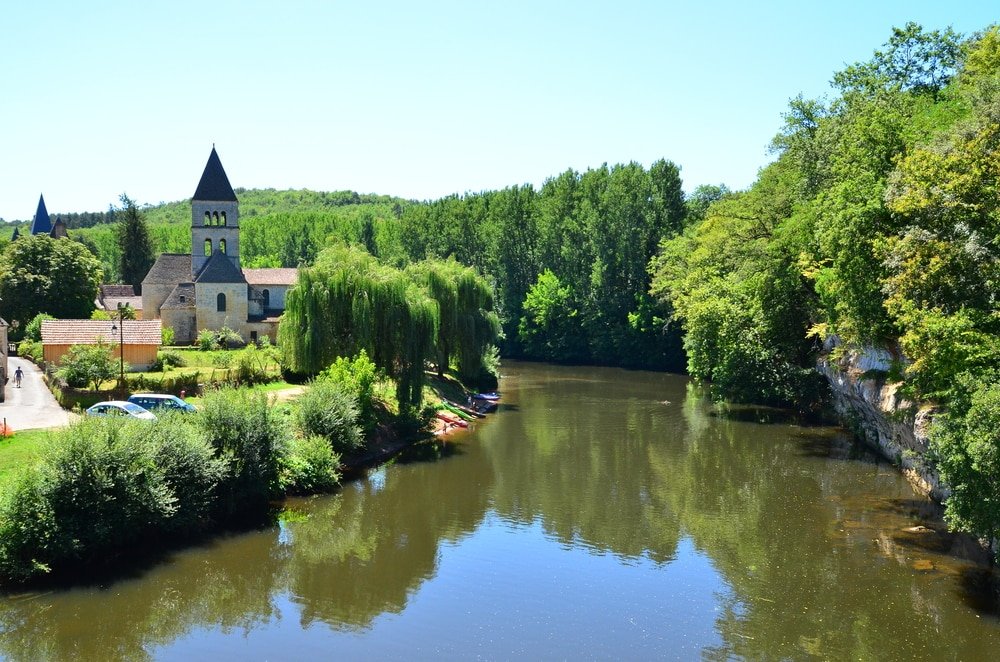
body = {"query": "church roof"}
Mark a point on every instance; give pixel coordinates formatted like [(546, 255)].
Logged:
[(170, 268), (220, 269), (214, 184), (182, 296), (41, 223), (271, 276)]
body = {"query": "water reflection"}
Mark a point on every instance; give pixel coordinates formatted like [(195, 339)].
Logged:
[(602, 513)]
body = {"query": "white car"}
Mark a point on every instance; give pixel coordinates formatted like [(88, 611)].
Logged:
[(120, 408)]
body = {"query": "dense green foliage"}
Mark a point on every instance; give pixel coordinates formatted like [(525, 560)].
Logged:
[(41, 274), (877, 224), (594, 231), (89, 365), (250, 437), (329, 409), (106, 484), (135, 247), (310, 466), (349, 302)]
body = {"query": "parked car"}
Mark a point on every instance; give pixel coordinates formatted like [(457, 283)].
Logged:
[(120, 408), (152, 401)]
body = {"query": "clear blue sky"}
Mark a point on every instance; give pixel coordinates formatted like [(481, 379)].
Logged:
[(412, 99)]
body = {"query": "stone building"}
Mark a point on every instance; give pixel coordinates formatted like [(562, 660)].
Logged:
[(208, 288)]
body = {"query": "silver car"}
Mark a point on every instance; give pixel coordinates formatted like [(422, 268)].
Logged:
[(120, 408)]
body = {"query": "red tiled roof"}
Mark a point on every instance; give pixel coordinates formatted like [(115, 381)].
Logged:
[(86, 332), (111, 303), (271, 276)]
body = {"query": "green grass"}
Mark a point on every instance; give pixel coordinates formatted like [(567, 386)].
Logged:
[(20, 452)]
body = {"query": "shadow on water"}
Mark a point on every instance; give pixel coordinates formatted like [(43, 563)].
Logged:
[(834, 445), (428, 451), (764, 415), (981, 591)]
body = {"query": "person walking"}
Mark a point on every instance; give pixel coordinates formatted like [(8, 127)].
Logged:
[(17, 376)]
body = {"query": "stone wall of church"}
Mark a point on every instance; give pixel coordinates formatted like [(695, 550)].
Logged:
[(153, 296), (235, 314), (183, 322)]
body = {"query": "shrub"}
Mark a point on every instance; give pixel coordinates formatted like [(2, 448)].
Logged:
[(250, 437), (358, 375), (88, 364), (310, 466), (32, 350), (252, 363), (329, 409), (168, 359), (207, 340), (190, 469), (167, 336), (33, 329), (98, 490)]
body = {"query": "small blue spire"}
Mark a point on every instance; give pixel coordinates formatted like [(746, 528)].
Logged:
[(41, 223)]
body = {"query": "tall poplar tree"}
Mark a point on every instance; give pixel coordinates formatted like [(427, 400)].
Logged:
[(134, 243)]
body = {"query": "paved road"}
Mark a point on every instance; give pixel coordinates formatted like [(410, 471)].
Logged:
[(32, 405)]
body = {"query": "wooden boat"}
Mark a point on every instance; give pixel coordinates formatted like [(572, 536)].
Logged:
[(451, 420)]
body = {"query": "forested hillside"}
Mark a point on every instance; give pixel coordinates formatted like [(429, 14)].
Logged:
[(878, 224)]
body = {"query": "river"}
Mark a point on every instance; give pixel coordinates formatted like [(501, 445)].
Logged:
[(600, 513)]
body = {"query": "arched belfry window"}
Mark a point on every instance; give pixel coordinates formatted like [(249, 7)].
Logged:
[(222, 246), (220, 303), (267, 298), (223, 218), (208, 218), (215, 218), (208, 248)]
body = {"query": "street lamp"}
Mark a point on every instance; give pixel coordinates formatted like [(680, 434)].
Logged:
[(121, 345)]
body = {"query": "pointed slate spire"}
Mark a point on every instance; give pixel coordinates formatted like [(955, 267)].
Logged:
[(41, 223), (16, 235), (214, 184)]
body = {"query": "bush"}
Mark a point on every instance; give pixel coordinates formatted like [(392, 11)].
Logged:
[(32, 350), (207, 340), (33, 329), (250, 437), (168, 359), (358, 375), (252, 363), (99, 490), (86, 365), (310, 466), (329, 409), (167, 336)]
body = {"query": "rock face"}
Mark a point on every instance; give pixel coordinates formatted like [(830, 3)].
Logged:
[(893, 426)]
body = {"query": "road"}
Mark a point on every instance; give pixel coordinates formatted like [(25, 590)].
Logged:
[(32, 405)]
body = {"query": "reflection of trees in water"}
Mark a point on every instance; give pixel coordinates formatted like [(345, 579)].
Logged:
[(781, 524), (364, 553), (586, 476), (231, 590), (358, 555)]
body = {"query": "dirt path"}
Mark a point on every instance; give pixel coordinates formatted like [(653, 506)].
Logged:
[(32, 405)]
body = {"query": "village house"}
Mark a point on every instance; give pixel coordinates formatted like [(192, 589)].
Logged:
[(139, 338), (208, 288)]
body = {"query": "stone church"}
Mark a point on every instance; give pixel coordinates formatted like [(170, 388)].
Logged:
[(208, 289)]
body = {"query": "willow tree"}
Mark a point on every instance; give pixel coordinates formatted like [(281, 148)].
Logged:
[(468, 326), (348, 302)]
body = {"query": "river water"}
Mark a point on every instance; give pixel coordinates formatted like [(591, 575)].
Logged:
[(600, 514)]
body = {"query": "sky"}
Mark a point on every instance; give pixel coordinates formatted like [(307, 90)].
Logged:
[(412, 99)]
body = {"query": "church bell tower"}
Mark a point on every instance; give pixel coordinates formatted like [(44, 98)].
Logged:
[(215, 217)]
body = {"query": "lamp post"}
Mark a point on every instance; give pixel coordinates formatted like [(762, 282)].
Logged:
[(121, 345)]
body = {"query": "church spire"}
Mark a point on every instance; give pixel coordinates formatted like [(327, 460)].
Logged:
[(41, 223), (214, 184)]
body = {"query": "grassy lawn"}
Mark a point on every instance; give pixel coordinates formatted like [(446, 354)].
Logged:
[(19, 452)]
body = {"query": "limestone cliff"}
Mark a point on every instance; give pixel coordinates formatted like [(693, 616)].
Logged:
[(894, 426)]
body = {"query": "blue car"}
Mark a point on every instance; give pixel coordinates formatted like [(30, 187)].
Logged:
[(153, 401)]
